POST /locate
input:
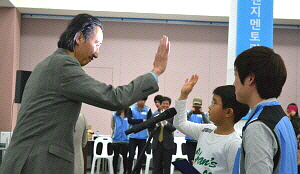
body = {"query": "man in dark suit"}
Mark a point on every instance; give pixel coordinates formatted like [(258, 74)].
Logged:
[(42, 141), (163, 142)]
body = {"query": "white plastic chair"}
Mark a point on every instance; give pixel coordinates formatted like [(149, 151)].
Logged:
[(179, 141), (120, 162), (104, 154), (148, 159), (135, 159)]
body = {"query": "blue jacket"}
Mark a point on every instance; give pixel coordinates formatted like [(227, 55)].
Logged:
[(272, 114), (121, 125), (195, 118), (136, 116)]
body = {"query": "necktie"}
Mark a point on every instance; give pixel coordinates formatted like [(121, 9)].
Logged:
[(161, 134)]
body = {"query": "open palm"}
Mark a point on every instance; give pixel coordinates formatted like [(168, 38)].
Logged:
[(189, 85)]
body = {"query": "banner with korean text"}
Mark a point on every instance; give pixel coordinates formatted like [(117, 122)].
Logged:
[(250, 24), (254, 24)]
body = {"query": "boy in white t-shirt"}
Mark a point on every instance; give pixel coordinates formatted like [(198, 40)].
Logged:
[(217, 143)]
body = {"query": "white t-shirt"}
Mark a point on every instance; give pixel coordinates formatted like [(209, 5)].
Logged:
[(215, 154)]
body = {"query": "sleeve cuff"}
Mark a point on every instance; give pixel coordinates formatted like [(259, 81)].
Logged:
[(155, 77)]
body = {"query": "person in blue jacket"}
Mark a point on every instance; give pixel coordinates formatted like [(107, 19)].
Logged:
[(119, 125), (195, 115), (268, 139), (137, 114)]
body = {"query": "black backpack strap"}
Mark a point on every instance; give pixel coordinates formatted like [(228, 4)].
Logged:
[(270, 116)]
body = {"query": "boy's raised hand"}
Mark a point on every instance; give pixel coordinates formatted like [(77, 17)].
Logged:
[(188, 87)]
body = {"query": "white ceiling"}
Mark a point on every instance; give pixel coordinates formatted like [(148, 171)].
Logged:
[(285, 12)]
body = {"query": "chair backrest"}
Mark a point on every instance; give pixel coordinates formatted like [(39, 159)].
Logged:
[(149, 148), (5, 138), (179, 141), (105, 141)]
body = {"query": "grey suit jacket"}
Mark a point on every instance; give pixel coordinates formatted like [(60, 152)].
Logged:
[(42, 142)]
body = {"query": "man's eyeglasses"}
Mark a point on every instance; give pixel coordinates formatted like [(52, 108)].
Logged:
[(213, 103)]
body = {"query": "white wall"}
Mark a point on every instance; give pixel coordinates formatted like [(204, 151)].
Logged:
[(128, 50)]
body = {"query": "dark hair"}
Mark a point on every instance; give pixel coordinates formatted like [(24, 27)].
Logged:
[(268, 68), (83, 23), (158, 97), (165, 99), (145, 98), (228, 97), (125, 112)]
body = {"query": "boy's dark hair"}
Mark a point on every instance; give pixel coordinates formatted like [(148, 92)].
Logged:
[(268, 68), (158, 97), (165, 99), (83, 23), (228, 97), (145, 98)]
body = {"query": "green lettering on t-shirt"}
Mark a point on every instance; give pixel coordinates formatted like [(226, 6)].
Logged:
[(200, 160), (206, 172)]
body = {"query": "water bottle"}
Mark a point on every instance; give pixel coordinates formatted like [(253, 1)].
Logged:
[(97, 134)]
